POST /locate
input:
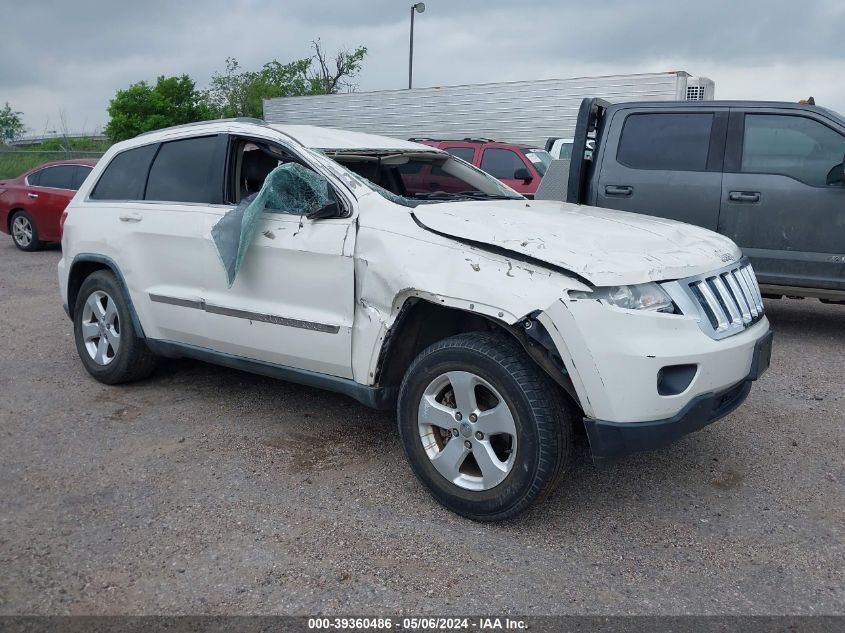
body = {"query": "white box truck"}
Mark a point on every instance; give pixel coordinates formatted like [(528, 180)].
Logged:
[(515, 112)]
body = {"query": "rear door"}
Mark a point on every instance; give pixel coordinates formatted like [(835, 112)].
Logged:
[(665, 163), (52, 189), (149, 207), (782, 199)]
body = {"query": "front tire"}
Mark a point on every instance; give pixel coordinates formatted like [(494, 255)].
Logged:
[(24, 232), (483, 427), (105, 338)]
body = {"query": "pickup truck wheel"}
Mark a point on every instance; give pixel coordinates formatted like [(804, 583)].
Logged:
[(483, 427), (24, 233), (105, 338)]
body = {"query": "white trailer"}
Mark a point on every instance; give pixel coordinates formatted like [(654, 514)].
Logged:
[(516, 112)]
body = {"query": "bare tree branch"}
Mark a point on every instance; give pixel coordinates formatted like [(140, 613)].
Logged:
[(347, 64)]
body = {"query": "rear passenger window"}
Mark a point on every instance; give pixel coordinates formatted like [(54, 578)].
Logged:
[(465, 153), (673, 142), (80, 173), (187, 171), (124, 177), (60, 177)]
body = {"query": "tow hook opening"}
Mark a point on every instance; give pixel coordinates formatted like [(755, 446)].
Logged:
[(674, 379)]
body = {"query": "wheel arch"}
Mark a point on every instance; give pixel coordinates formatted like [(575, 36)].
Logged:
[(12, 212), (421, 322), (83, 266)]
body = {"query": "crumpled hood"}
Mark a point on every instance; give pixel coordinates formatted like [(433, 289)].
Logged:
[(605, 246)]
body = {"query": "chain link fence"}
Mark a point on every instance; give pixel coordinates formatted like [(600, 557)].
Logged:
[(14, 162)]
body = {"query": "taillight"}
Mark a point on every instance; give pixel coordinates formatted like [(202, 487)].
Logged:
[(62, 224)]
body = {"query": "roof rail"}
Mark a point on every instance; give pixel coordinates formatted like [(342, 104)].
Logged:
[(466, 139), (240, 119)]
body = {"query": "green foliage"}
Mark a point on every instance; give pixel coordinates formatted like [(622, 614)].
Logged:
[(60, 144), (233, 93), (142, 107), (16, 160), (11, 125), (237, 92)]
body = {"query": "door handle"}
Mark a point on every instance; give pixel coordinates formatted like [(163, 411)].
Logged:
[(744, 196), (618, 190), (32, 195), (130, 217)]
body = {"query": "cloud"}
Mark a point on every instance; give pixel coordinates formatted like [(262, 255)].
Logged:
[(87, 49)]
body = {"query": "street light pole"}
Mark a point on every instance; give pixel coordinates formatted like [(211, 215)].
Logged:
[(419, 7)]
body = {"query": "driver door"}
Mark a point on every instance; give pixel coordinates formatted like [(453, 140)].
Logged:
[(292, 301)]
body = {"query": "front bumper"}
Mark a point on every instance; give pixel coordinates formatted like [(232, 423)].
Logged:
[(611, 440), (614, 358)]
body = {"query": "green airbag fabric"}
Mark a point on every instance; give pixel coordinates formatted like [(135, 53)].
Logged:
[(290, 188)]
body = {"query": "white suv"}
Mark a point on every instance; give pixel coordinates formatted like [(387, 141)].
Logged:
[(405, 277)]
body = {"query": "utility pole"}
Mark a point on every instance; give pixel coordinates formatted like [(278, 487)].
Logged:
[(419, 7)]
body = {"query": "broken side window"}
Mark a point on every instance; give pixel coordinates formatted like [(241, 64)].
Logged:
[(289, 188)]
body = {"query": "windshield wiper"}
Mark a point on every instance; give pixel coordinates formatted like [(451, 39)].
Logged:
[(440, 195), (465, 195), (488, 196)]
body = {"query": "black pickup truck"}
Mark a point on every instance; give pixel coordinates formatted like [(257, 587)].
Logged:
[(767, 175)]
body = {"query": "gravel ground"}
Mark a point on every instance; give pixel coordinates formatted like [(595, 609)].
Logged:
[(205, 490)]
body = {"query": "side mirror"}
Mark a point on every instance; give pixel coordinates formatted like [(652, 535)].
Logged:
[(836, 176), (522, 174), (331, 210)]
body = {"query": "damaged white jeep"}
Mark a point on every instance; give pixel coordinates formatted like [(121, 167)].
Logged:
[(404, 277)]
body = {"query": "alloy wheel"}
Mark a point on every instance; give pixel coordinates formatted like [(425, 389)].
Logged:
[(22, 231), (467, 430), (101, 327)]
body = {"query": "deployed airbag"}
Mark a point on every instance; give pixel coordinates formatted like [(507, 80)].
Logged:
[(289, 188)]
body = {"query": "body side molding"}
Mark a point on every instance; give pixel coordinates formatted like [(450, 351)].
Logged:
[(200, 304)]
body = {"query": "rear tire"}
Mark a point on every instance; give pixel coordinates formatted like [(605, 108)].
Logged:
[(509, 448), (105, 338), (24, 232)]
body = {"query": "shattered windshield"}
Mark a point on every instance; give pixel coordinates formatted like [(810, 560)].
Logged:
[(413, 178)]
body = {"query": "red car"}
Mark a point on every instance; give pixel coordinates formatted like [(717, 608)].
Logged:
[(31, 205), (520, 167)]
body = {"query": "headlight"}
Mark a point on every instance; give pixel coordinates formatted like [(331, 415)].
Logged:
[(648, 296)]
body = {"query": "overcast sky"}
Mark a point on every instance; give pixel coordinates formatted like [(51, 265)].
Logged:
[(70, 57)]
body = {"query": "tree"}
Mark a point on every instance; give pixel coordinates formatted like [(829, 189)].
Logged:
[(142, 107), (11, 125), (238, 92), (242, 92), (338, 73)]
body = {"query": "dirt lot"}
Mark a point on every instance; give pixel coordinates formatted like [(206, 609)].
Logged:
[(205, 490)]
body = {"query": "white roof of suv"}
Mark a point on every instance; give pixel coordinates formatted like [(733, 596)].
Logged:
[(315, 137), (310, 136)]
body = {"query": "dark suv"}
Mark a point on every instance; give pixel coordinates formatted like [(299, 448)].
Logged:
[(520, 167)]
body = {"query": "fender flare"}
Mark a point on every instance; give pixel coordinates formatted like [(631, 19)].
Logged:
[(112, 266)]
